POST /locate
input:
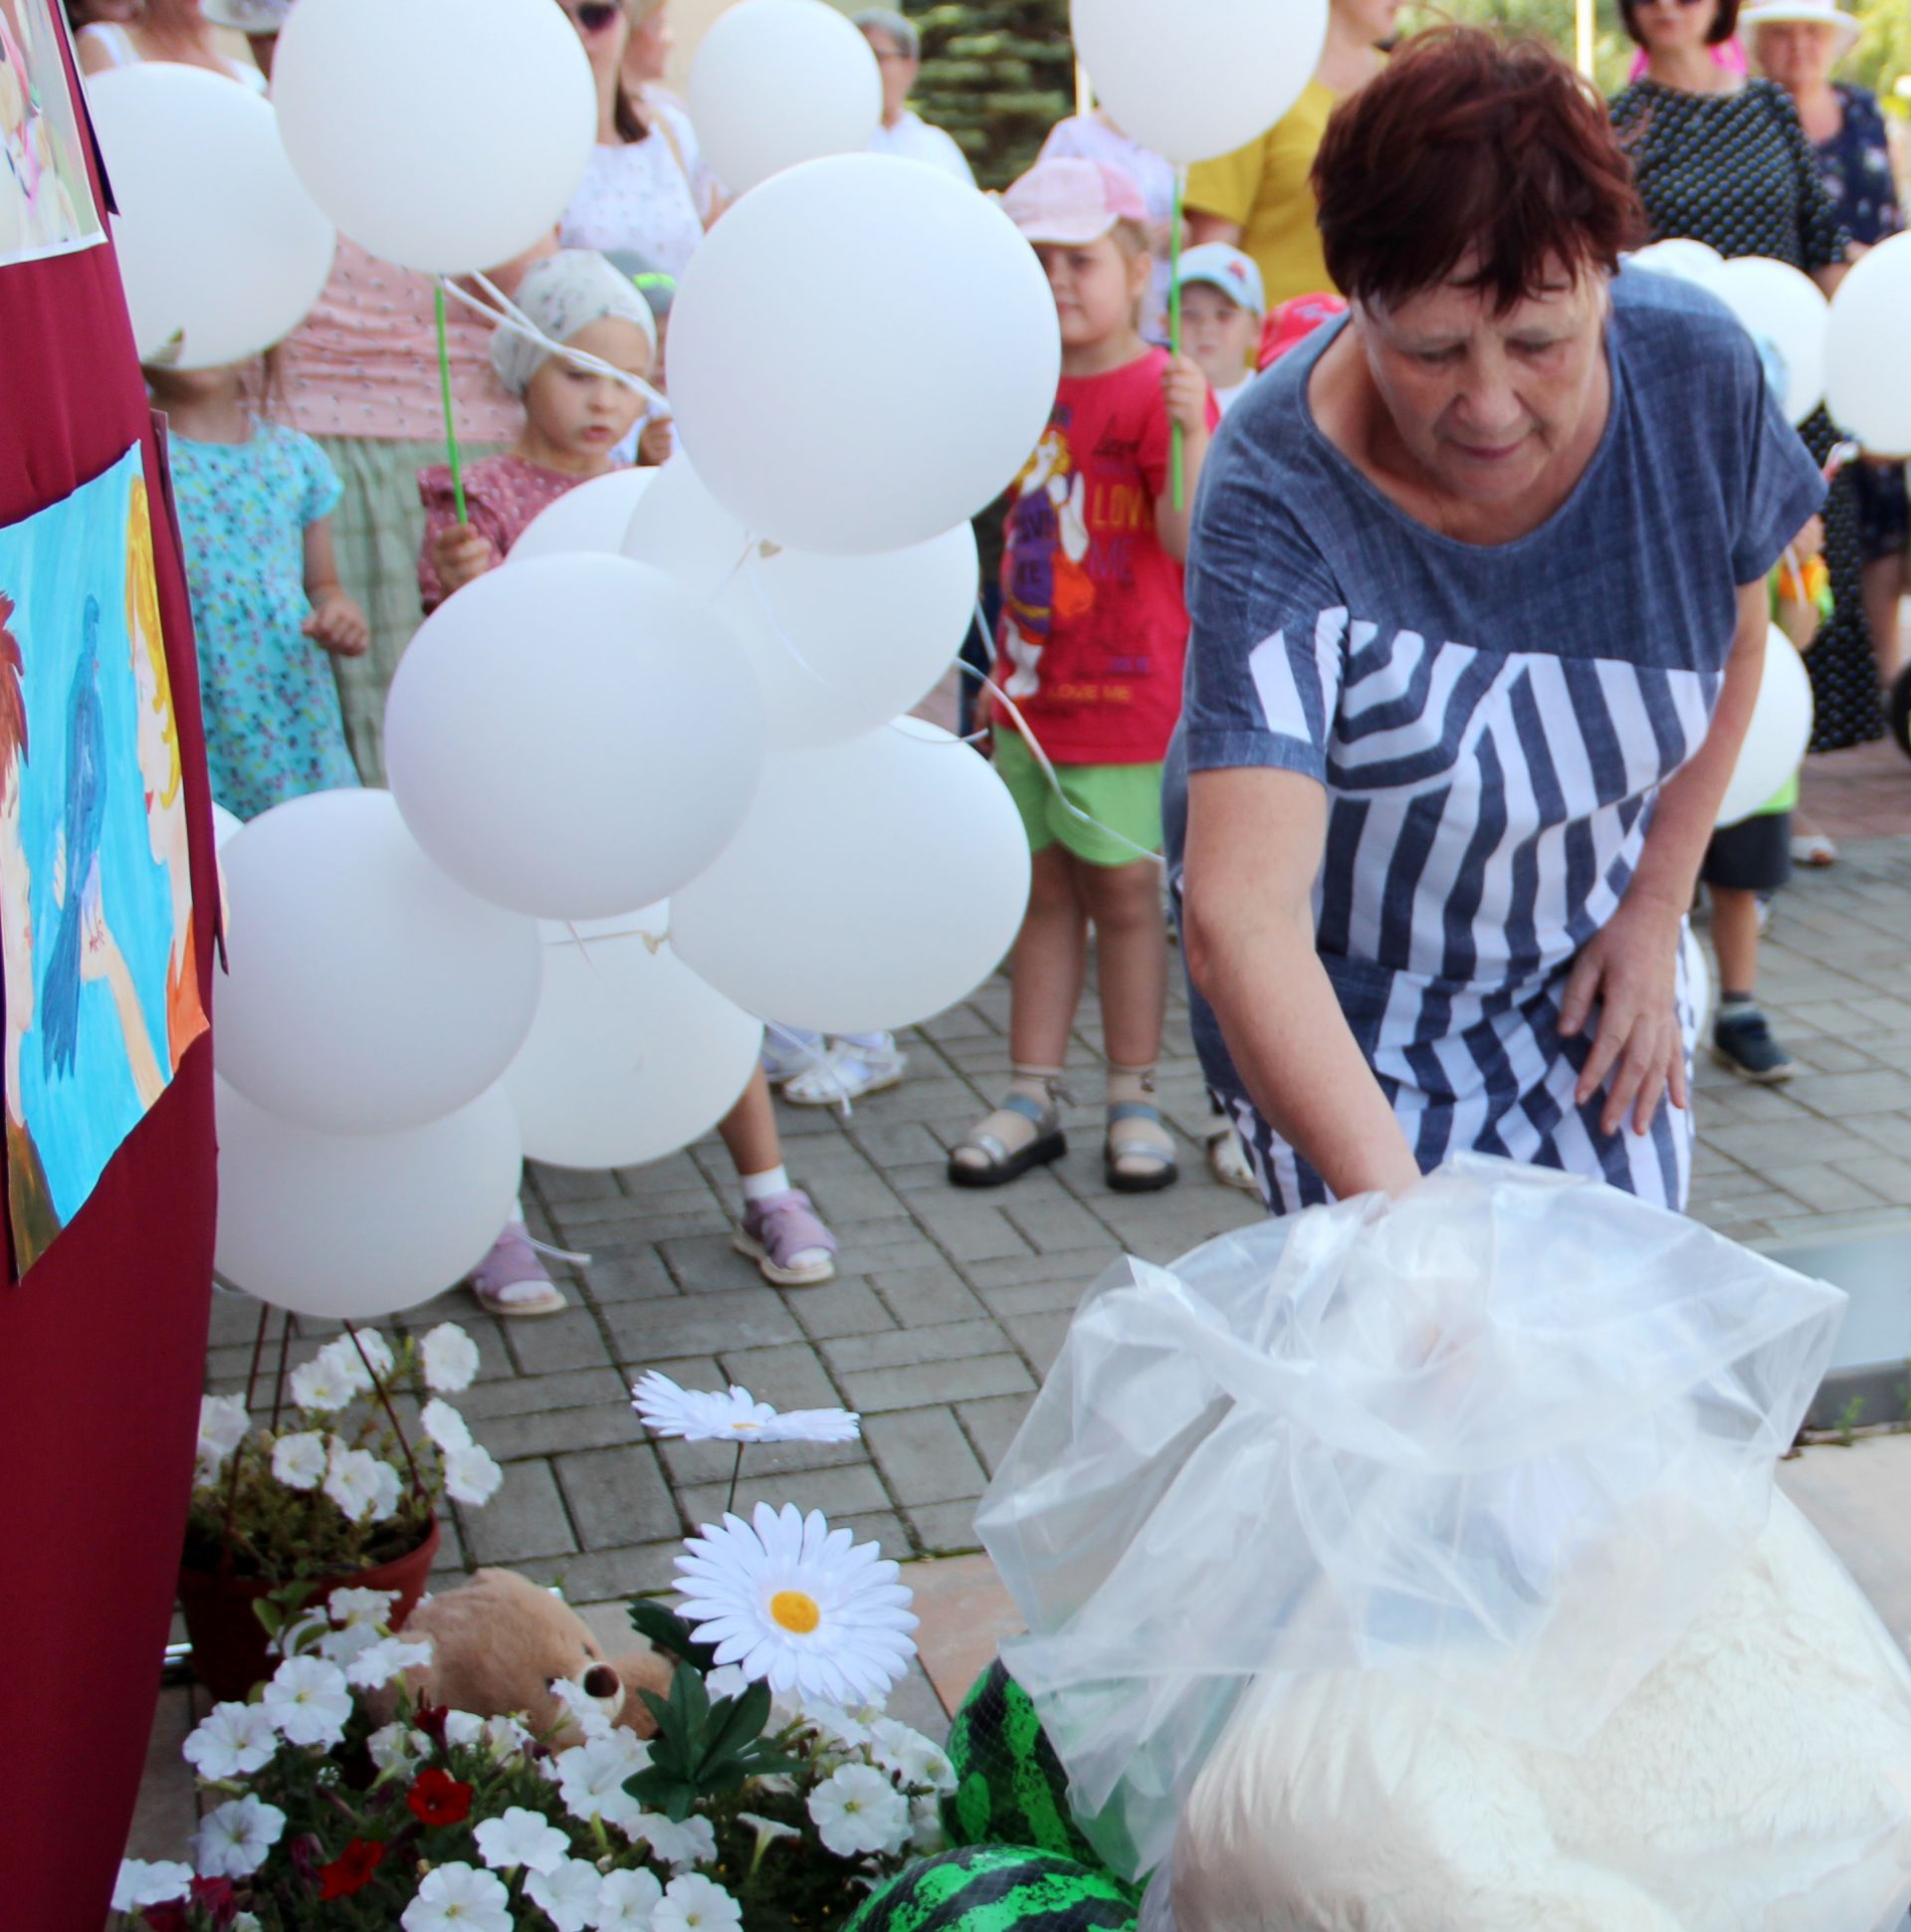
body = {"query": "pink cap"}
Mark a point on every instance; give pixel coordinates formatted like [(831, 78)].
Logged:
[(1071, 201)]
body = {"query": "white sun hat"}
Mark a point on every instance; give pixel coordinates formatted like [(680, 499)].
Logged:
[(1816, 12)]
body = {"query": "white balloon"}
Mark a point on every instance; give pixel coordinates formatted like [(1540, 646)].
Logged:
[(842, 644), (1678, 256), (225, 826), (352, 1226), (573, 736), (1203, 78), (1776, 740), (592, 516), (1786, 315), (447, 136), (873, 885), (367, 992), (680, 529), (219, 244), (1869, 385), (632, 1056), (778, 82), (850, 440)]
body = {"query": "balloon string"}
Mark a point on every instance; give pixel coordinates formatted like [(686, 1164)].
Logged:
[(451, 420), (1175, 324), (507, 316)]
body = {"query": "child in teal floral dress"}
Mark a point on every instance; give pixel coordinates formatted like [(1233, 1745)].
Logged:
[(254, 501)]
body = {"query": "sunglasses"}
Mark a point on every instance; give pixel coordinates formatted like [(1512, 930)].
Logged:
[(595, 15), (1666, 3)]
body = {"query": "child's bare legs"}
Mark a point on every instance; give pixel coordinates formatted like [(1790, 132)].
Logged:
[(1734, 937), (1741, 1035), (781, 1232), (1131, 941), (1883, 583)]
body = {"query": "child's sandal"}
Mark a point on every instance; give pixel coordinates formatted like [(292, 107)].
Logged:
[(994, 1162), (1140, 1161)]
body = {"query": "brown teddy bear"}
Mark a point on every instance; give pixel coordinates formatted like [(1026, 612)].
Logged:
[(499, 1643)]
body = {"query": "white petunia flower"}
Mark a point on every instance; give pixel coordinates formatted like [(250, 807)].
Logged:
[(388, 1493), (590, 1714), (378, 1351), (522, 1837), (458, 1898), (308, 1702), (471, 1476), (699, 1416), (928, 1834), (233, 1840), (445, 1425), (463, 1728), (694, 1904), (244, 1922), (342, 1647), (913, 1758), (856, 1810), (626, 1901), (836, 1728), (396, 1747), (801, 1607), (570, 1896), (590, 1779), (505, 1737), (305, 1631), (223, 1422), (353, 1483), (693, 1843), (450, 1359), (233, 1742), (379, 1663), (300, 1461), (322, 1385), (348, 1607), (156, 1884)]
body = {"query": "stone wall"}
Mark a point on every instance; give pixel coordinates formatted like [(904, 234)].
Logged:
[(999, 75)]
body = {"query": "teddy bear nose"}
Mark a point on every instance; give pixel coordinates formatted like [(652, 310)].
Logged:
[(600, 1681)]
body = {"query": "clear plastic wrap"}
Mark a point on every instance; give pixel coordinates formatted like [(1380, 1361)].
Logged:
[(1501, 1441)]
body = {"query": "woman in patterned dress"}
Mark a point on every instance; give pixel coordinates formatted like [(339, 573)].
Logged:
[(1723, 160), (1478, 598), (1797, 43)]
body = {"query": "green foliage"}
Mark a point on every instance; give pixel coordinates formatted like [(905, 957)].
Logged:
[(663, 1630), (705, 1750), (997, 75)]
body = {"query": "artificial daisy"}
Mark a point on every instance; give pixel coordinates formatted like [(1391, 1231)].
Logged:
[(694, 1904), (459, 1898), (450, 1359), (701, 1416), (803, 1608), (233, 1742), (308, 1702), (572, 1896), (472, 1475), (301, 1461), (522, 1837), (856, 1810), (232, 1840)]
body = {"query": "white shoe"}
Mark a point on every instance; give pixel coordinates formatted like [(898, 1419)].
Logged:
[(1227, 1159), (846, 1073)]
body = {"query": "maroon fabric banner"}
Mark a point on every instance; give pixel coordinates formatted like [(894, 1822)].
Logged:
[(102, 1347)]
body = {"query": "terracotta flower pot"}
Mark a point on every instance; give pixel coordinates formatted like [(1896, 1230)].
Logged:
[(228, 1641)]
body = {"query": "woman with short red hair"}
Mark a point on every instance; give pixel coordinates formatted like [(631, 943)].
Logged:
[(1477, 588)]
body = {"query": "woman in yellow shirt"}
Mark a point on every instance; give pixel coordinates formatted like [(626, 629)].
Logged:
[(1258, 198)]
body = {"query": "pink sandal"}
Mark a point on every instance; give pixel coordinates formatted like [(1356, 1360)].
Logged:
[(790, 1244)]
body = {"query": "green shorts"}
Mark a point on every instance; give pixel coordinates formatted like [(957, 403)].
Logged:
[(1126, 800)]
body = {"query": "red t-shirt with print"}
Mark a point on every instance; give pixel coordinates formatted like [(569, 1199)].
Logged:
[(1094, 632)]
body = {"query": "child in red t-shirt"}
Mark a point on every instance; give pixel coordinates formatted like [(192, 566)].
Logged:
[(1093, 637)]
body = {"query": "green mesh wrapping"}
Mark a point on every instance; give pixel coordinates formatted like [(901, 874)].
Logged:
[(997, 1888)]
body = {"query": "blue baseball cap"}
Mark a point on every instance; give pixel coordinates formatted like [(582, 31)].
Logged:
[(1226, 268)]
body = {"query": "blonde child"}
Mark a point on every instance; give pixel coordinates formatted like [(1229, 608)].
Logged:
[(1221, 318), (255, 507), (574, 418), (1093, 637)]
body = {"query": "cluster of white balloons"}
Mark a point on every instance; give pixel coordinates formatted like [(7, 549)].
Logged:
[(651, 780)]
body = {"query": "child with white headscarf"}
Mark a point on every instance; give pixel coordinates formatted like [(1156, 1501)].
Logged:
[(575, 415)]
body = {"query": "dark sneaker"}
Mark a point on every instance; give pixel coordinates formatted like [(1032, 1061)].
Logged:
[(1741, 1040)]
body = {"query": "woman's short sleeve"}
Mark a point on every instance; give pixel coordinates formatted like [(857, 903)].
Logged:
[(1783, 483), (1265, 653)]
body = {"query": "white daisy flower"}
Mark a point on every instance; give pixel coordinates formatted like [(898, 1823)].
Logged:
[(158, 1882), (626, 1901), (693, 1843), (450, 1359), (396, 1747), (801, 1607), (590, 1779), (349, 1606), (234, 1741), (308, 1702), (908, 1755), (699, 1416), (505, 1737), (458, 1898), (353, 1483), (444, 1425), (322, 1385), (522, 1837), (471, 1476), (300, 1461), (816, 1425), (233, 1840), (570, 1896), (694, 1904), (223, 1422), (856, 1810), (387, 1657)]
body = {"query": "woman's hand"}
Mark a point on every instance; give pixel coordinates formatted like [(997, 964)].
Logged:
[(1631, 968), (460, 556)]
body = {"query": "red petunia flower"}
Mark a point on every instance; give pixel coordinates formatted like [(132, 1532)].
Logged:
[(439, 1799), (352, 1870)]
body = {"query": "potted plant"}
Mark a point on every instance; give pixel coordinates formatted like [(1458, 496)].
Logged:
[(330, 1491)]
